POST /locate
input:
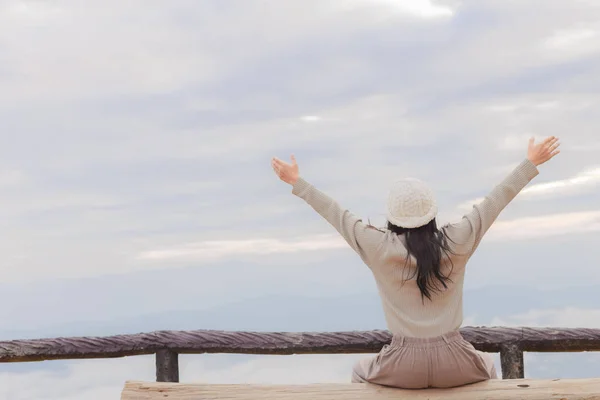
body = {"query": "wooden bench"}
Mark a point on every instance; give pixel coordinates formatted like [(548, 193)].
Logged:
[(526, 389)]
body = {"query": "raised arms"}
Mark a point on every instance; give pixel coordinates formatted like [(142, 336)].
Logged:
[(467, 233), (470, 230)]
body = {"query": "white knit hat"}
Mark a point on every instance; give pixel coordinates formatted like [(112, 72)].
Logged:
[(411, 204)]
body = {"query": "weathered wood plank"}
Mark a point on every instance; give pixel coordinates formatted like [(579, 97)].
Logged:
[(576, 389), (204, 341)]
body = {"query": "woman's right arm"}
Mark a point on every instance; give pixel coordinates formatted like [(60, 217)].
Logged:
[(468, 233)]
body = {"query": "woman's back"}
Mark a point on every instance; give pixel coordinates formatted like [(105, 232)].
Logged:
[(406, 310)]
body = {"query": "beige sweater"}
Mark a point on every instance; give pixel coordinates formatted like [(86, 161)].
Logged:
[(385, 254)]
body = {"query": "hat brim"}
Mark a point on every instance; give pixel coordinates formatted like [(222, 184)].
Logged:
[(414, 222)]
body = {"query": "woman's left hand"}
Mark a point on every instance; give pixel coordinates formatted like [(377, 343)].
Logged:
[(288, 173)]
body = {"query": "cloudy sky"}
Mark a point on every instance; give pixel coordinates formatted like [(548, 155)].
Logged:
[(136, 190)]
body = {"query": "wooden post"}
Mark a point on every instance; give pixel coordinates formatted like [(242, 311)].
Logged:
[(167, 366), (511, 358)]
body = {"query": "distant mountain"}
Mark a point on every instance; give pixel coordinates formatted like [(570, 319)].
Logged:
[(358, 312), (296, 313)]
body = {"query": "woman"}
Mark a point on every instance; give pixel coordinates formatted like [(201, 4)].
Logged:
[(419, 270)]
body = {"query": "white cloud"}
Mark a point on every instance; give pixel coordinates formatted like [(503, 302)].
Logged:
[(57, 201), (32, 12), (546, 226), (571, 43), (588, 147), (150, 50), (587, 179), (311, 118), (213, 250), (575, 38), (567, 317), (522, 105), (417, 8), (71, 59), (516, 229), (11, 177)]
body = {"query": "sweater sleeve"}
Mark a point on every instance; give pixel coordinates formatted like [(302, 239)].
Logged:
[(364, 239), (474, 225)]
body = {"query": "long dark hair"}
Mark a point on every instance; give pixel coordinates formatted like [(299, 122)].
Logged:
[(426, 244)]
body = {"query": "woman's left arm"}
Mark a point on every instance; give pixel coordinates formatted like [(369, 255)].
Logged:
[(363, 238)]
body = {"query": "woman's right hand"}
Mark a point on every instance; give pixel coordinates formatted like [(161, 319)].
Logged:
[(542, 152)]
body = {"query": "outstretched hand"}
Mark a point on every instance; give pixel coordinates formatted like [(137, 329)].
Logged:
[(542, 152), (287, 172)]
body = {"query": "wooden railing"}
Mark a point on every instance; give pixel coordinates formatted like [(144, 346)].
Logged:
[(167, 345)]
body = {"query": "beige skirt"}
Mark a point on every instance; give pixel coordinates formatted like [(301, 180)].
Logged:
[(417, 363)]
